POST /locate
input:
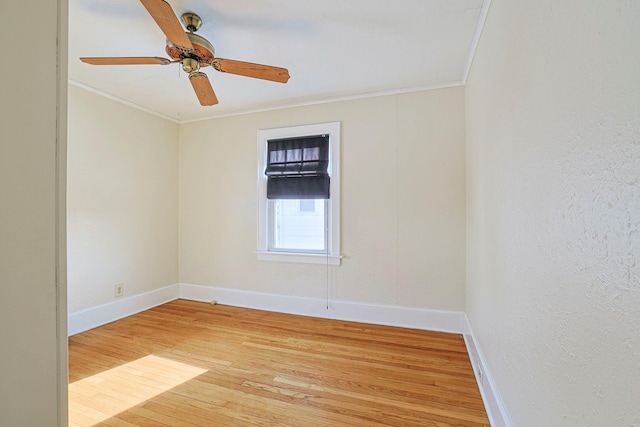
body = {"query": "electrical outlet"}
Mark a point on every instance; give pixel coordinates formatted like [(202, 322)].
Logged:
[(480, 376), (118, 290)]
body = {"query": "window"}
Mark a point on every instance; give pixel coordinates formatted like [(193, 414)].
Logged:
[(299, 194)]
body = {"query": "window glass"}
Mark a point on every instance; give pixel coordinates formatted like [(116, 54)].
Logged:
[(298, 225)]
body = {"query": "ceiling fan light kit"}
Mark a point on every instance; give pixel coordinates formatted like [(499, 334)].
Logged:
[(193, 52)]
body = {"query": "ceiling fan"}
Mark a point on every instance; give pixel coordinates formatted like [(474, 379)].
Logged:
[(193, 52)]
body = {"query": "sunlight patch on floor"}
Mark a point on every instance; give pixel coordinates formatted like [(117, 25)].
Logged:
[(99, 397)]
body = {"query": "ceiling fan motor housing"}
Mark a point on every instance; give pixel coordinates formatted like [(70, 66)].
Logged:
[(203, 51)]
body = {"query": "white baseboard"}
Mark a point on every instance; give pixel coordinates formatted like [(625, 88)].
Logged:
[(493, 403), (433, 320), (93, 317)]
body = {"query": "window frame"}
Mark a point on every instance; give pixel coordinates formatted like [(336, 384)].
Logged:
[(332, 256)]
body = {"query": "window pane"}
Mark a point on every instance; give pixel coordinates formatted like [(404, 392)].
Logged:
[(295, 227), (308, 205)]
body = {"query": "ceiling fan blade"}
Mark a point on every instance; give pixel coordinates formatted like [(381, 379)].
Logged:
[(168, 22), (248, 69), (202, 87), (126, 60)]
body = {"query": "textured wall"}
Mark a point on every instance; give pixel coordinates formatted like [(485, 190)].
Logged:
[(122, 200), (403, 203), (553, 152)]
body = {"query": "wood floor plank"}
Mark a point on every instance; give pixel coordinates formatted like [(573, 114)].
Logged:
[(193, 364)]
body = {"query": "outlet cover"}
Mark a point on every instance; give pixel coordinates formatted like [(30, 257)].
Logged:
[(118, 290)]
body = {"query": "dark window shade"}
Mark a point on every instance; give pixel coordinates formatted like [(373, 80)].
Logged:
[(297, 168), (308, 187)]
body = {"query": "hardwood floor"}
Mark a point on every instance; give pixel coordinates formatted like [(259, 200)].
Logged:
[(194, 364)]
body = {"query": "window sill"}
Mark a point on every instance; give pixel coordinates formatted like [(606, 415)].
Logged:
[(299, 257)]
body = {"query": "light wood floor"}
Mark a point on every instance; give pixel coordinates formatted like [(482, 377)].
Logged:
[(194, 364)]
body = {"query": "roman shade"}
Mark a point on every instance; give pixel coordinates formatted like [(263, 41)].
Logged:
[(297, 168)]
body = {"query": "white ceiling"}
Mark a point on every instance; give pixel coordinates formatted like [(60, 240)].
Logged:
[(333, 49)]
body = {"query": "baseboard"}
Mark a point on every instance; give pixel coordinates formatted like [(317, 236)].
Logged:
[(433, 320), (493, 403), (90, 318)]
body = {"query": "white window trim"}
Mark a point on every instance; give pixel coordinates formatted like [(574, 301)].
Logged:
[(333, 256)]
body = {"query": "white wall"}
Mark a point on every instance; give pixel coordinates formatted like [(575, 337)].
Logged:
[(33, 367), (403, 203), (122, 200), (553, 152)]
